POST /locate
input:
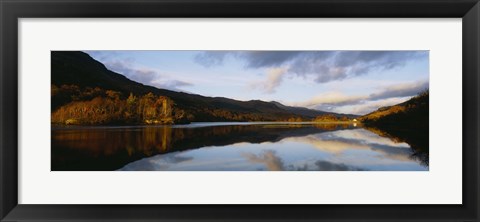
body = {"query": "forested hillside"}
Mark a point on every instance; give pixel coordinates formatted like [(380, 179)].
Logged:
[(412, 114)]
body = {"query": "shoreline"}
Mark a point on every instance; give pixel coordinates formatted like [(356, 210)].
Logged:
[(196, 124)]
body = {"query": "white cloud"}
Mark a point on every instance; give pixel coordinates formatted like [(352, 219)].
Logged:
[(331, 98), (274, 79), (145, 75), (400, 90), (369, 106), (361, 104)]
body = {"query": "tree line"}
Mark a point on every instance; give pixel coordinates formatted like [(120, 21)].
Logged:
[(72, 105), (95, 106)]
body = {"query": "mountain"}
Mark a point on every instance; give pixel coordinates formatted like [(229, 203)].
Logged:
[(83, 88), (310, 112), (411, 114)]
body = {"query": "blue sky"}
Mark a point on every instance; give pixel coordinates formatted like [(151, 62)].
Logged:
[(354, 82)]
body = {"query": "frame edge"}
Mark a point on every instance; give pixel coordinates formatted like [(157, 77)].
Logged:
[(471, 83), (9, 109)]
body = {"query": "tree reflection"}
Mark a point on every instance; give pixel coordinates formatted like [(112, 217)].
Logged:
[(417, 139)]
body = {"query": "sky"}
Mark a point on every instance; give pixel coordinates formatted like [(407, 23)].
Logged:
[(354, 82)]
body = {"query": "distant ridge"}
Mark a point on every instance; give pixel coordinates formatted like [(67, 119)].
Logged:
[(309, 112)]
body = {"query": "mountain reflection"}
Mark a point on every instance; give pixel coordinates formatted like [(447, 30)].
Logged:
[(231, 147)]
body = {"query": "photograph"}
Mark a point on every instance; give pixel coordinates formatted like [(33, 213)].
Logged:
[(240, 110)]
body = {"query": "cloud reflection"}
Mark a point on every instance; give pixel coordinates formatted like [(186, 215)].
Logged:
[(267, 157), (273, 162), (340, 150), (340, 142), (158, 162)]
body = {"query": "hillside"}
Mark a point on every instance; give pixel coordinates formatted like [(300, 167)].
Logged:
[(84, 91), (411, 114), (405, 122)]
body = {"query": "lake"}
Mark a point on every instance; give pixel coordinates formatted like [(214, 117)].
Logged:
[(237, 147)]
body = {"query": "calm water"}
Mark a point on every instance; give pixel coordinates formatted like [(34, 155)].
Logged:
[(236, 147)]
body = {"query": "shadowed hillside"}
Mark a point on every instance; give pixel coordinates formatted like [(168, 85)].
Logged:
[(412, 114)]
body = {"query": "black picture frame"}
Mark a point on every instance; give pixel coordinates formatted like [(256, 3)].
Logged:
[(12, 10)]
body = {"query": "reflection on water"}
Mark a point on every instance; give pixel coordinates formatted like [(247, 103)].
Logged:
[(233, 147)]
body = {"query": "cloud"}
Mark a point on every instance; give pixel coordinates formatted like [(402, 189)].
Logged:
[(324, 66), (144, 75), (253, 59), (332, 98), (362, 104), (266, 59), (401, 90), (370, 106), (127, 68), (267, 157), (171, 84), (274, 79), (211, 58)]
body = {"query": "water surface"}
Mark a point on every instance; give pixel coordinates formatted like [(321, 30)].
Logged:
[(235, 147)]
